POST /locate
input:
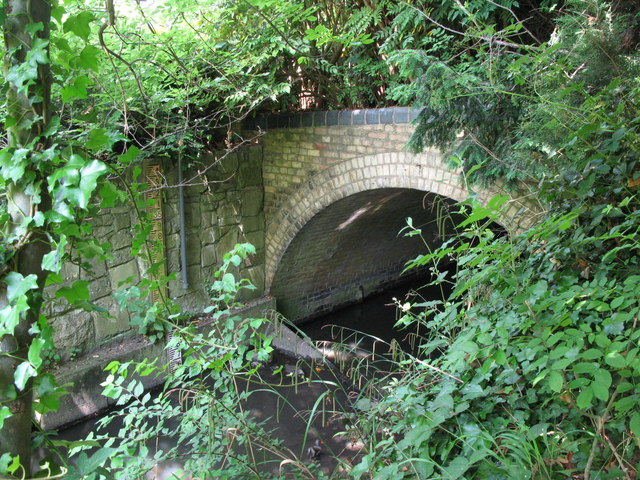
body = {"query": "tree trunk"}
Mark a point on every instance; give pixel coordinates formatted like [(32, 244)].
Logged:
[(31, 107)]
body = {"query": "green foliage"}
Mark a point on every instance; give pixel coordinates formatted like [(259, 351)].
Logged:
[(506, 105), (531, 366), (147, 317), (464, 100), (540, 328), (199, 405), (361, 71), (533, 360), (50, 169), (224, 289), (211, 62)]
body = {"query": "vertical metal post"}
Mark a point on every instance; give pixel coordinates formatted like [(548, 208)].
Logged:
[(183, 233)]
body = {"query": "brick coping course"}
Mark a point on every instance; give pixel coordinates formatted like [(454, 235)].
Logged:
[(328, 118)]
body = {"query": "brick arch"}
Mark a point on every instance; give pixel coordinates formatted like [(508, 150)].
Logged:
[(425, 171)]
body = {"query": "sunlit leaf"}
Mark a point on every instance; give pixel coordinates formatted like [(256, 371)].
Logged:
[(89, 58), (556, 381), (634, 424), (79, 24), (89, 175), (600, 391), (23, 373), (583, 401), (35, 350), (4, 413), (79, 290), (98, 139), (38, 53), (76, 90), (17, 285), (52, 261)]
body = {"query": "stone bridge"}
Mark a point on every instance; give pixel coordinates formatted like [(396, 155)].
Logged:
[(323, 197), (338, 188)]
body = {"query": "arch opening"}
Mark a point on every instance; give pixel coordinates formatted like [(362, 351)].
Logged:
[(353, 248)]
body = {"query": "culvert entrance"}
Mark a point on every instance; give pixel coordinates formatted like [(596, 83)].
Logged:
[(354, 248)]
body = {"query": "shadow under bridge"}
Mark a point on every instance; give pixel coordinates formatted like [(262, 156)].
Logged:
[(354, 248)]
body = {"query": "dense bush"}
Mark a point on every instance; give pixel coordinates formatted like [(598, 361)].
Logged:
[(534, 364)]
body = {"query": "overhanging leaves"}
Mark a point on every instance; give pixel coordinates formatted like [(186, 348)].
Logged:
[(17, 285)]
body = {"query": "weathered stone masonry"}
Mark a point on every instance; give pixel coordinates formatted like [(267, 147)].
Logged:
[(224, 206), (322, 197)]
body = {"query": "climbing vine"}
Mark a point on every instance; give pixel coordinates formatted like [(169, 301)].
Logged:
[(47, 183)]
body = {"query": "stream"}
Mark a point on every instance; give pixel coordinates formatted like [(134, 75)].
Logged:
[(358, 329)]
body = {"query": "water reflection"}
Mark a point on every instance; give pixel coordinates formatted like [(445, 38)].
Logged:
[(368, 326)]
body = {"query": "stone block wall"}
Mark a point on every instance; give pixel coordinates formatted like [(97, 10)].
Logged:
[(77, 331), (223, 206)]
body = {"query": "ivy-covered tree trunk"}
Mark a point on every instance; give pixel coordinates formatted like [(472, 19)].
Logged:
[(27, 75)]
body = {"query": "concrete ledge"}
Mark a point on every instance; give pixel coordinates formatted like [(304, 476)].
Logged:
[(287, 341), (85, 374)]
